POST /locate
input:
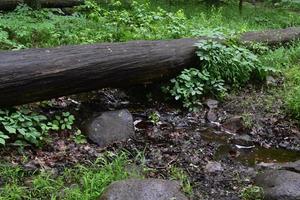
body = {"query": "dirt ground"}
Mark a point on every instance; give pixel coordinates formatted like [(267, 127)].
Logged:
[(219, 162)]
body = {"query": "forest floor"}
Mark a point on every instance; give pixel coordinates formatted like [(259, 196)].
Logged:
[(214, 160), (214, 153)]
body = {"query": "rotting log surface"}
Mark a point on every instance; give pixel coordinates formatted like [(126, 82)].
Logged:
[(273, 37), (39, 74), (12, 4)]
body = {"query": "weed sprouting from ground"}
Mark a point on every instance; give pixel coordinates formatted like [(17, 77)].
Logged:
[(287, 61), (181, 176), (79, 182), (252, 193)]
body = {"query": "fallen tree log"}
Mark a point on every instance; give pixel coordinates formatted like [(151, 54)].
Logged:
[(39, 74), (273, 37), (12, 4)]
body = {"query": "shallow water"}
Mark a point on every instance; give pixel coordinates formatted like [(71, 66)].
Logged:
[(257, 155), (249, 155)]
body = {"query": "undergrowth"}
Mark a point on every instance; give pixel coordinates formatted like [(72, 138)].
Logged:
[(79, 182), (20, 126), (116, 21), (223, 66), (286, 60)]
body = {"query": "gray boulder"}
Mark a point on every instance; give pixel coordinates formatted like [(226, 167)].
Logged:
[(290, 166), (148, 189), (110, 127), (280, 184), (212, 104)]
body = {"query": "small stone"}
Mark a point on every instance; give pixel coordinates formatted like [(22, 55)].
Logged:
[(147, 189), (271, 80), (211, 116), (30, 166), (213, 167), (212, 104), (110, 127), (244, 140)]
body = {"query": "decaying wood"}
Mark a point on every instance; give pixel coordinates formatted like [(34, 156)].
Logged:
[(39, 74), (12, 4), (273, 37)]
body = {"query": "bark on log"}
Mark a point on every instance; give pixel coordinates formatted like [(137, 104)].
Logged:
[(12, 4), (39, 74), (273, 37)]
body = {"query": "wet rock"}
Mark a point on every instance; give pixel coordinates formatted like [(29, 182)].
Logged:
[(148, 189), (30, 166), (212, 104), (234, 124), (279, 184), (213, 167), (110, 127), (290, 166), (212, 116), (244, 140), (271, 81)]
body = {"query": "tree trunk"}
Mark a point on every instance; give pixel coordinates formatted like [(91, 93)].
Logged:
[(12, 4), (34, 4), (39, 74)]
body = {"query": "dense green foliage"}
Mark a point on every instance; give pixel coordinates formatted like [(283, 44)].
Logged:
[(230, 63), (115, 21), (287, 61), (222, 66), (20, 126)]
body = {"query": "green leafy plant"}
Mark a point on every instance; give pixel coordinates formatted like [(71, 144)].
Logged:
[(231, 63), (154, 117), (222, 66), (18, 125), (252, 193), (63, 122), (191, 85), (79, 138)]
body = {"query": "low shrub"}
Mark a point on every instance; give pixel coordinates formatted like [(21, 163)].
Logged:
[(21, 126), (223, 66)]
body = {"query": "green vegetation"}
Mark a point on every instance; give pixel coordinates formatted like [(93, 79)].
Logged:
[(252, 193), (21, 125), (154, 117), (222, 66), (225, 67), (180, 175), (115, 22), (287, 61), (247, 120), (80, 182)]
